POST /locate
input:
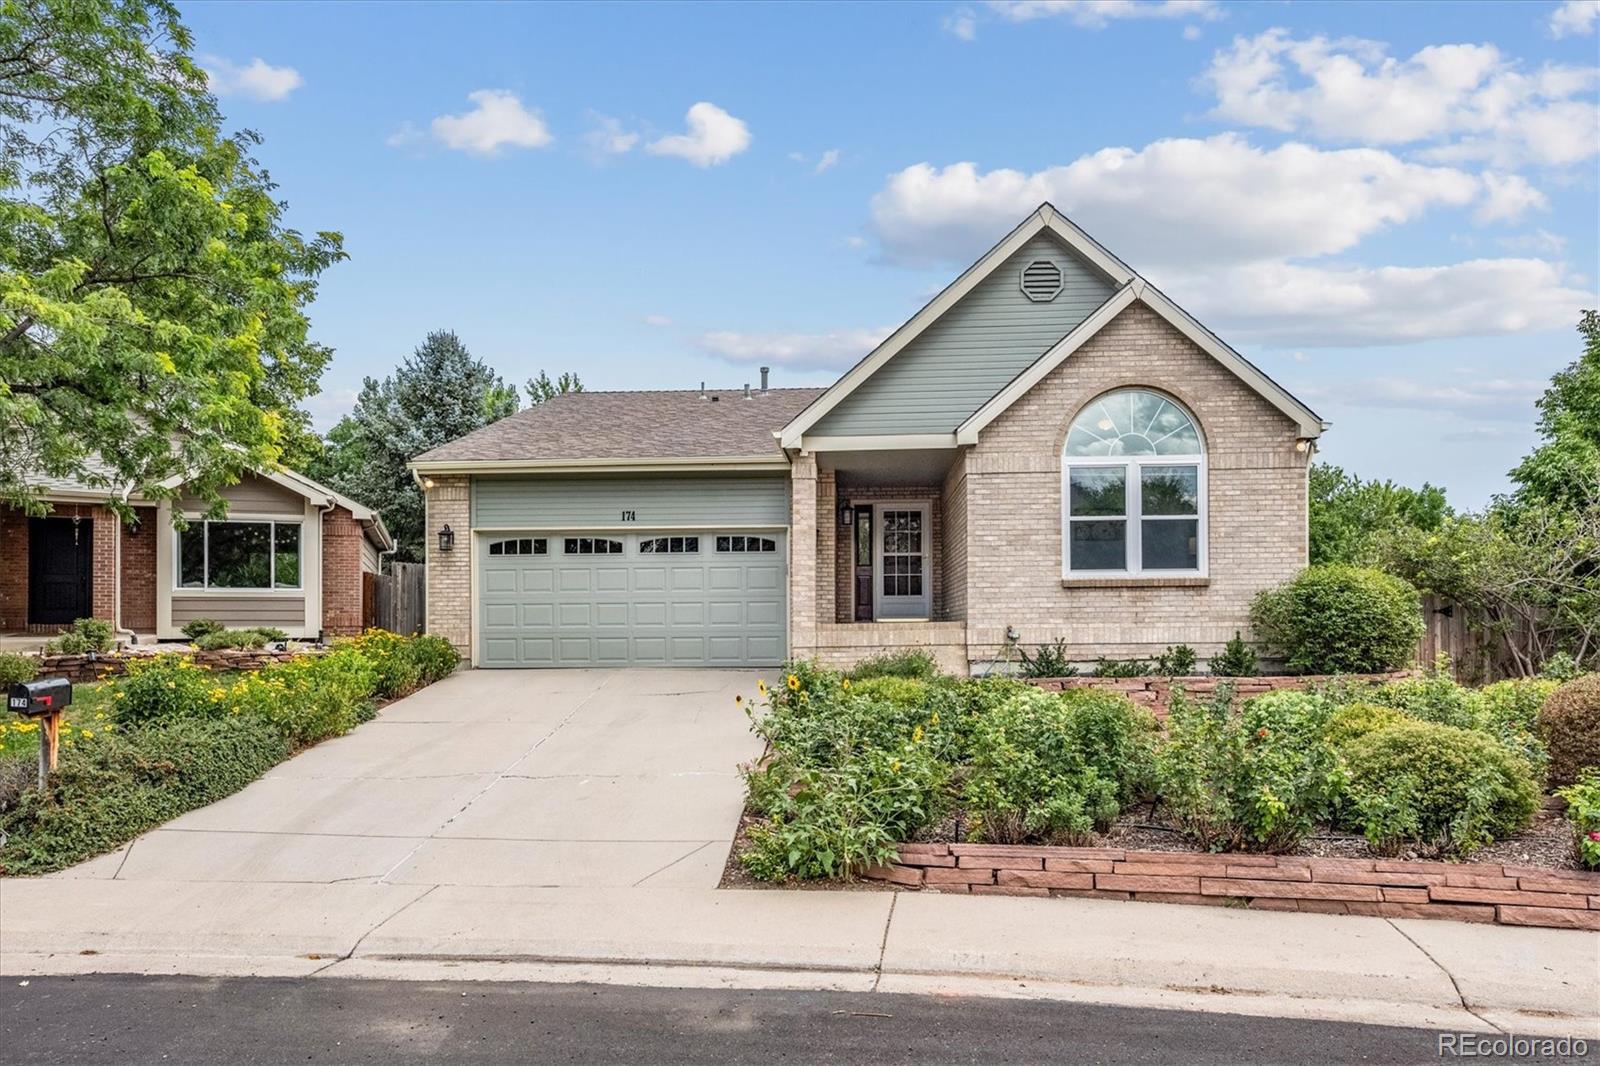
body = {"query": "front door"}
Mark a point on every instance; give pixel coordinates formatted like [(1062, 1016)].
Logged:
[(903, 544), (863, 562), (60, 553)]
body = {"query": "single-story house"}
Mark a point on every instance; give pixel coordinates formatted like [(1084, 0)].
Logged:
[(290, 554), (1051, 449)]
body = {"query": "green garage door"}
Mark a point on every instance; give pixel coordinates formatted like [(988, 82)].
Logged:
[(677, 598)]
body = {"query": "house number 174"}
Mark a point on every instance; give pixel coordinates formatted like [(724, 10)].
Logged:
[(627, 516)]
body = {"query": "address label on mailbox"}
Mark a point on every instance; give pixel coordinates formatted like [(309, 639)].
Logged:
[(19, 703)]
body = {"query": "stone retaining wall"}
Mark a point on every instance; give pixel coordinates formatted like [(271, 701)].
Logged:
[(81, 669), (1156, 692), (1469, 892)]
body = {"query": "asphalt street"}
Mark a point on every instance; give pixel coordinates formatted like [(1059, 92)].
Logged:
[(247, 1021)]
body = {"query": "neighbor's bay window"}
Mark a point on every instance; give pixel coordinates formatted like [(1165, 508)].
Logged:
[(1133, 488), (239, 555)]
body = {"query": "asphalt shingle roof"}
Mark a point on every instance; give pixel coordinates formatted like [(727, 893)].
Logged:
[(676, 424)]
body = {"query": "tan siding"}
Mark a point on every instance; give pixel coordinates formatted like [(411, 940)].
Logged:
[(241, 612), (369, 556), (254, 495)]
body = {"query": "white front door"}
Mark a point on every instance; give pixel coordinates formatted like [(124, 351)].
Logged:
[(902, 585)]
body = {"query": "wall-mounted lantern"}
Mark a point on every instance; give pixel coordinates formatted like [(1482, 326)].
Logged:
[(447, 539), (847, 514)]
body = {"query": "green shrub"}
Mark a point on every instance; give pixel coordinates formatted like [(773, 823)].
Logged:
[(310, 697), (115, 785), (1056, 767), (1509, 712), (1120, 668), (1560, 667), (1583, 811), (83, 636), (219, 639), (1357, 720), (391, 656), (436, 657), (166, 686), (15, 669), (1047, 660), (200, 627), (1237, 659), (900, 691), (1338, 619), (1569, 725), (1255, 778), (272, 634), (918, 664), (1434, 697), (1437, 788), (1176, 662)]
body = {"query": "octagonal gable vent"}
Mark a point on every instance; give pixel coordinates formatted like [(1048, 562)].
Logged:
[(1041, 281)]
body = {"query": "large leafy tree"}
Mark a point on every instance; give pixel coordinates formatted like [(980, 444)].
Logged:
[(1565, 469), (437, 394), (152, 301), (1349, 516), (542, 390)]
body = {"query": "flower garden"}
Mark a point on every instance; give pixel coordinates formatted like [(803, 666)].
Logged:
[(169, 735)]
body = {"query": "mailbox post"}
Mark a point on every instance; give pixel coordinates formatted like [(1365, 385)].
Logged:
[(43, 701)]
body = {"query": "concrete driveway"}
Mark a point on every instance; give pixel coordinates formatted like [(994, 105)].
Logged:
[(614, 778)]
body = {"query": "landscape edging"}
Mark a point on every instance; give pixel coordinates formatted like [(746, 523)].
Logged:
[(1471, 892), (87, 667)]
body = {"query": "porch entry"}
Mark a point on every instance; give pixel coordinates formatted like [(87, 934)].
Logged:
[(60, 558), (901, 545)]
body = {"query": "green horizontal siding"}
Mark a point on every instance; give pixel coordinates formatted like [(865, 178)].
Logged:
[(972, 351), (573, 503)]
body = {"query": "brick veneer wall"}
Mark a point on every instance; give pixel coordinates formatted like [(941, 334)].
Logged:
[(1156, 692), (953, 504), (1257, 513), (341, 572), (139, 572), (804, 551), (14, 572), (839, 559), (449, 599), (1472, 892)]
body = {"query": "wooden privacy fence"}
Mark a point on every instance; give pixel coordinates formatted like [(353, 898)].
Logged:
[(395, 601), (1477, 657)]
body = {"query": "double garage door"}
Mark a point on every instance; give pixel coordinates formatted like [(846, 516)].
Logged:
[(669, 598)]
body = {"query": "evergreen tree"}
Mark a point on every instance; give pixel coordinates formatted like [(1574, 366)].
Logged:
[(1565, 469), (541, 388)]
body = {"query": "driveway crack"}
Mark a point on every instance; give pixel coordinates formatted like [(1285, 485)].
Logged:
[(362, 939), (1445, 970), (883, 946)]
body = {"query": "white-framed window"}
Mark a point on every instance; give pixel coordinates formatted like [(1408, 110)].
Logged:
[(519, 546), (1133, 488), (669, 545), (239, 555), (738, 542)]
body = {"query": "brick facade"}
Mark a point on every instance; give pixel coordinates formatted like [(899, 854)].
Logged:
[(341, 572), (449, 599), (102, 527), (139, 573), (1257, 506), (837, 564), (13, 569), (805, 548)]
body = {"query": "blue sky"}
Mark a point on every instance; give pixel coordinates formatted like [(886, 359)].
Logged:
[(1391, 208)]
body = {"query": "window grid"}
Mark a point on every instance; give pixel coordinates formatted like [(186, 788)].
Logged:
[(733, 542), (669, 545), (520, 546), (591, 546)]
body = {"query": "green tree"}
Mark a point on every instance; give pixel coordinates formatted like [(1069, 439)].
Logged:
[(437, 394), (542, 389), (152, 303), (1565, 469), (1349, 516)]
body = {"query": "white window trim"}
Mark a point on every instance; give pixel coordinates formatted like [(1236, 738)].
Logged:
[(179, 588), (926, 507), (1133, 514)]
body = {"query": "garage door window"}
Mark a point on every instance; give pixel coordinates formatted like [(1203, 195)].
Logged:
[(591, 546), (669, 546), (736, 543), (523, 546)]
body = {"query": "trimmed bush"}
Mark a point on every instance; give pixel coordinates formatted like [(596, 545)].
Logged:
[(220, 639), (1056, 767), (1569, 725), (199, 627), (1357, 720), (83, 636), (1437, 788), (15, 669), (1255, 778), (1338, 619), (1236, 659), (917, 664)]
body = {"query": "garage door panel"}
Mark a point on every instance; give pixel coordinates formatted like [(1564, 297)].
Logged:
[(664, 608)]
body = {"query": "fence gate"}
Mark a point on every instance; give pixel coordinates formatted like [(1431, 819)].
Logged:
[(395, 601)]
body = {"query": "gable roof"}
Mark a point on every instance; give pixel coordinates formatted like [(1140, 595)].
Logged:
[(667, 427), (1130, 287)]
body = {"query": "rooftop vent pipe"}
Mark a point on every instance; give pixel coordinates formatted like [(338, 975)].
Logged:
[(747, 390), (702, 390), (764, 372)]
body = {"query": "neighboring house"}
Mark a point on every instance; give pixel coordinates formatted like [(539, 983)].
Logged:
[(1050, 449), (290, 554)]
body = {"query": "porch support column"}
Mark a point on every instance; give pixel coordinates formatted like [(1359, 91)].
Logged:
[(827, 544), (803, 557)]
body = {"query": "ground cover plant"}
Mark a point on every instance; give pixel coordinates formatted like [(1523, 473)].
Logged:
[(1422, 768), (170, 735)]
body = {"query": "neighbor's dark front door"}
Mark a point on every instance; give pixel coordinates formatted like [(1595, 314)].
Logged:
[(59, 558), (863, 564)]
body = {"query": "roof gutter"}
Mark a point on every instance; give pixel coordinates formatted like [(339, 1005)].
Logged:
[(701, 463)]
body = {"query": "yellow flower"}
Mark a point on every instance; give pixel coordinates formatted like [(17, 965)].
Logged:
[(794, 683), (761, 687), (122, 695), (738, 701), (894, 767), (88, 732), (845, 684), (916, 735), (172, 684), (935, 719)]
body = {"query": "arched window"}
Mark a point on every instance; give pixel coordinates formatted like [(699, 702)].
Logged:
[(1133, 488)]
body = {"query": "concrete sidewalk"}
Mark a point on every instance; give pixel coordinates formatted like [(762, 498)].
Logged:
[(1439, 974)]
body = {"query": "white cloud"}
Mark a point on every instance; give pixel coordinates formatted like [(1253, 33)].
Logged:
[(608, 137), (828, 161), (713, 137), (1507, 197), (1097, 14), (659, 321), (1174, 202), (1499, 398), (1280, 303), (1541, 241), (962, 23), (821, 351), (1575, 18), (1463, 101), (1192, 32), (499, 119), (257, 79)]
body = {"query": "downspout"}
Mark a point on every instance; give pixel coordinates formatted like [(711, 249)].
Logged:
[(116, 576), (322, 546)]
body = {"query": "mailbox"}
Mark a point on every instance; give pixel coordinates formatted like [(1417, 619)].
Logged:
[(36, 699)]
